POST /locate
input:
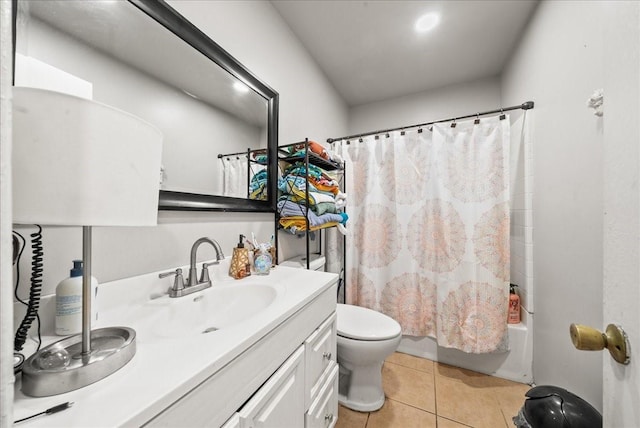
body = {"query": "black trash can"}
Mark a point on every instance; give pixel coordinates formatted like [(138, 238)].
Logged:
[(552, 407)]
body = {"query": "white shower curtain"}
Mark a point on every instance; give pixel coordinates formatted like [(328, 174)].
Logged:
[(234, 176), (428, 235)]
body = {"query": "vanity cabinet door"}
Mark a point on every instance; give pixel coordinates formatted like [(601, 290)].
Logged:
[(280, 401), (323, 412), (320, 352)]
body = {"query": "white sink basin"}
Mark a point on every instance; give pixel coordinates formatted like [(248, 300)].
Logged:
[(206, 311)]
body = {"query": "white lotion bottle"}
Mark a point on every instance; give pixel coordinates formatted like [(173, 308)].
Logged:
[(69, 302)]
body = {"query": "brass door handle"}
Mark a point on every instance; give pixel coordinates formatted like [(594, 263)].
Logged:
[(614, 339)]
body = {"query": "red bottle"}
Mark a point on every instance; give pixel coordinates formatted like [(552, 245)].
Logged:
[(514, 306)]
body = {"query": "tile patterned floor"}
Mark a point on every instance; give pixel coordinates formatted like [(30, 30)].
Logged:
[(422, 393)]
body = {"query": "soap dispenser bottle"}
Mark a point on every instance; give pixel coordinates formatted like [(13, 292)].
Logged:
[(514, 306), (240, 266), (69, 302)]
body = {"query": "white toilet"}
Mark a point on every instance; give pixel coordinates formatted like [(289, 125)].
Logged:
[(316, 262), (365, 339)]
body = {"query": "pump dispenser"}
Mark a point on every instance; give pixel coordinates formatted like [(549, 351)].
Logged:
[(514, 306), (69, 301), (240, 266)]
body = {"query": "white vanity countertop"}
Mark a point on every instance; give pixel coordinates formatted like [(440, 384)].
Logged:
[(165, 369)]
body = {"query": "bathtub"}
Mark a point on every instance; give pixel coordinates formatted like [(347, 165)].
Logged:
[(515, 364)]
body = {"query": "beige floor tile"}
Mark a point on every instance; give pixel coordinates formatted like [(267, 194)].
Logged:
[(467, 404), (409, 386), (348, 418), (448, 423), (509, 395), (399, 415), (510, 398), (410, 361)]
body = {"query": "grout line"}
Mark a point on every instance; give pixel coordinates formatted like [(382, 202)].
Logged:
[(410, 405), (507, 422), (410, 368), (435, 393), (452, 420)]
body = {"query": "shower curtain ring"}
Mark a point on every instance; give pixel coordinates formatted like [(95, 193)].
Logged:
[(502, 115), (477, 121), (453, 124)]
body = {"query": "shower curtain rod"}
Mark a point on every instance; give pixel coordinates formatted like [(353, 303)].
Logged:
[(524, 106), (246, 152)]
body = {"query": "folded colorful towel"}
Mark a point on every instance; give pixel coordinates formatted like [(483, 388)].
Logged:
[(299, 196), (287, 183), (258, 186), (288, 209), (299, 169), (297, 224)]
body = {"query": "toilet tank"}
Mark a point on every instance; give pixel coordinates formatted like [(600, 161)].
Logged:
[(316, 262)]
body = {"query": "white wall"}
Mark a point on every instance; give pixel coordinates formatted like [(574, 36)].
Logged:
[(621, 384), (253, 33), (442, 103), (558, 64)]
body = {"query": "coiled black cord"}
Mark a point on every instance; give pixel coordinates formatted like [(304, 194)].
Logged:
[(34, 291)]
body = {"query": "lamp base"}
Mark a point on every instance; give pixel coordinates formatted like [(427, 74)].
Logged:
[(61, 367)]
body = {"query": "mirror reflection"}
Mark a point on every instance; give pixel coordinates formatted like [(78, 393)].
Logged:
[(215, 126)]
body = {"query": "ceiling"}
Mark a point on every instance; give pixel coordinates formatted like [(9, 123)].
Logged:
[(370, 51)]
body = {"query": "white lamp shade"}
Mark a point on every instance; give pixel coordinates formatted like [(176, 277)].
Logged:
[(79, 162)]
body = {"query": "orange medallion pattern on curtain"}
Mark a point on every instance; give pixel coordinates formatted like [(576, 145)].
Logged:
[(429, 233), (411, 300)]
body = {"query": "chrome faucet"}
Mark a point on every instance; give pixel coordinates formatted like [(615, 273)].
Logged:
[(193, 283), (193, 271)]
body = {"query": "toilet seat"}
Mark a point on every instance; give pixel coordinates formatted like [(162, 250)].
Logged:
[(356, 322)]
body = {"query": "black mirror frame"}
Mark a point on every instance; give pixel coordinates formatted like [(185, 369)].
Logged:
[(166, 16)]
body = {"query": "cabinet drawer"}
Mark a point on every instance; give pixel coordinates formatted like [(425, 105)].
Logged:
[(320, 351), (278, 403), (323, 412)]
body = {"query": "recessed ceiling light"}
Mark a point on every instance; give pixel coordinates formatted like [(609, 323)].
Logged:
[(427, 22)]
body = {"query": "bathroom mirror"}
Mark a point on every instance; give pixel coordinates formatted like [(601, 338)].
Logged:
[(219, 121)]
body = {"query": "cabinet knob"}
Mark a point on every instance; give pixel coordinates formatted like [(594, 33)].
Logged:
[(328, 417), (326, 355)]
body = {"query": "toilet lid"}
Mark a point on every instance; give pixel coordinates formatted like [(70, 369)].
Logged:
[(356, 322)]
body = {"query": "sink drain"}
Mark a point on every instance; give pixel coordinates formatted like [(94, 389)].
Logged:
[(210, 329)]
